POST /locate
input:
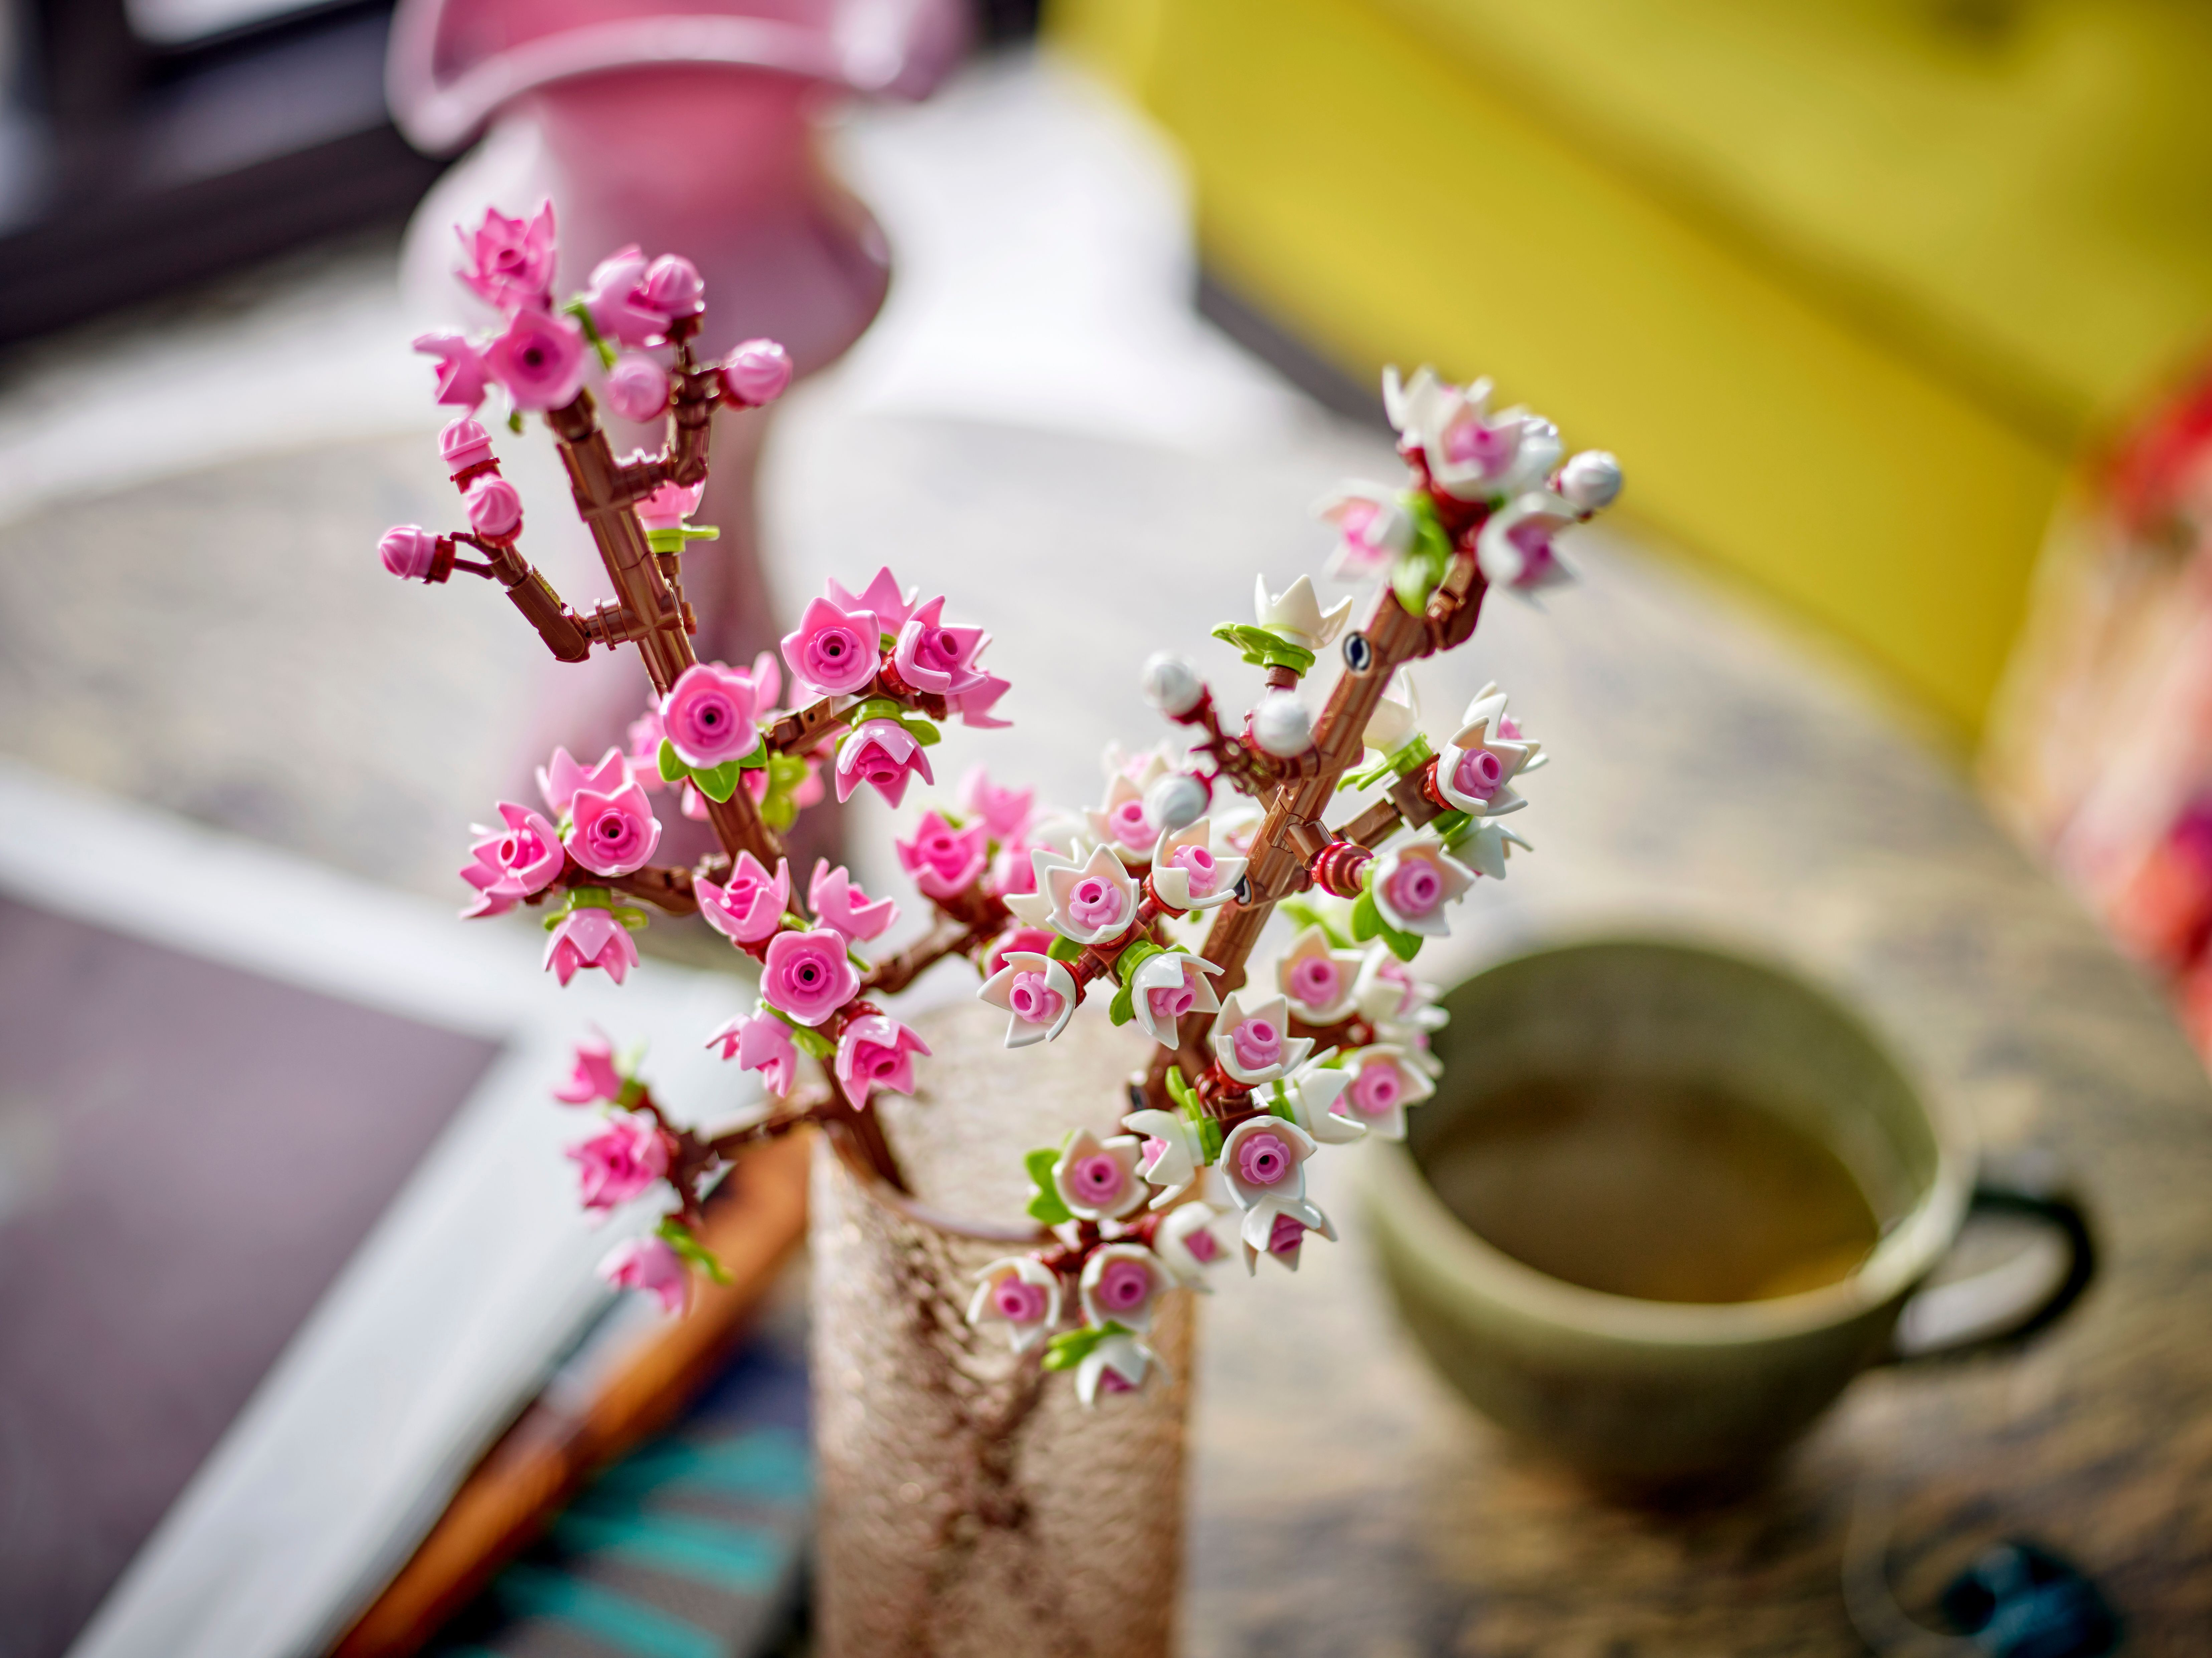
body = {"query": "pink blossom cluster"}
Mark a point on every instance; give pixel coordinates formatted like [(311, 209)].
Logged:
[(628, 309)]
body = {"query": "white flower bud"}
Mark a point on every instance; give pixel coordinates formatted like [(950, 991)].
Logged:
[(1177, 801), (1281, 726), (1171, 685), (1590, 481)]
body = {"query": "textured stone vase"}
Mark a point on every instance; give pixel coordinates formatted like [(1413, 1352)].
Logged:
[(970, 1504)]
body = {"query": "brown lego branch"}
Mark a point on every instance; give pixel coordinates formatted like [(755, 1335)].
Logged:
[(1291, 835)]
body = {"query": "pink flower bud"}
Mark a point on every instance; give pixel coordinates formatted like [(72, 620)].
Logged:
[(463, 443), (409, 552), (806, 975), (595, 1077), (1415, 887), (756, 372), (1033, 999), (1018, 1302), (1129, 824), (494, 507), (1263, 1159), (1095, 903), (1285, 1235), (1170, 1002), (1200, 864), (620, 1163), (651, 1265), (943, 861), (1124, 1286), (673, 285), (1480, 773), (637, 387), (510, 262), (1377, 1088), (1316, 982), (1098, 1178), (1258, 1044)]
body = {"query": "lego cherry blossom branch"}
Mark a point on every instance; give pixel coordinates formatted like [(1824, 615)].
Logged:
[(1245, 1088), (874, 673)]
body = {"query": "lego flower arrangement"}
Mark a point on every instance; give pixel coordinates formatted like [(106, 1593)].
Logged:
[(857, 697), (1157, 896)]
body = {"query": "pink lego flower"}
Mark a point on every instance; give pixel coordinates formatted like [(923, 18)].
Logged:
[(756, 372), (513, 861), (510, 263), (1373, 527), (560, 778), (611, 834), (708, 715), (462, 444), (944, 860), (1005, 812), (539, 360), (974, 703), (494, 507), (883, 598), (673, 286), (884, 753), (621, 1162), (651, 1264), (750, 907), (595, 1076), (1318, 979), (807, 974), (836, 649), (876, 1051), (761, 1041), (667, 507), (637, 387), (411, 552), (838, 903), (462, 375), (932, 656), (614, 299), (590, 937)]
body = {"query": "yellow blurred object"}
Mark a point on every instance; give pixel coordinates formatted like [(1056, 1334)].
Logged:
[(1847, 284)]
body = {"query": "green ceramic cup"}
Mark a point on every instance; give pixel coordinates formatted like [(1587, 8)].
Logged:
[(1647, 1391)]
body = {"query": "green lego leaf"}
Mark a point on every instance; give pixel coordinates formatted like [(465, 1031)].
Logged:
[(1047, 1207), (1071, 1347), (1065, 950), (680, 1239)]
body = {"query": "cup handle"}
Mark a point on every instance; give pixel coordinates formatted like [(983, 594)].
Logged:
[(2011, 1301)]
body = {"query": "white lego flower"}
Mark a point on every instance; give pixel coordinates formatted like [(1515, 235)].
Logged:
[(1189, 873), (1255, 1046), (1296, 613), (1318, 979), (1020, 1293), (1476, 770), (1040, 994)]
